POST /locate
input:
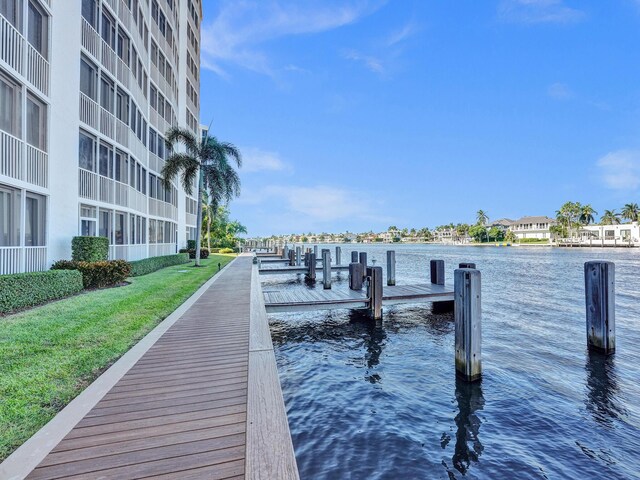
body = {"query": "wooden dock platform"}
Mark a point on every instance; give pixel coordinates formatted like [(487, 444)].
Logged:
[(294, 300), (203, 401), (301, 269)]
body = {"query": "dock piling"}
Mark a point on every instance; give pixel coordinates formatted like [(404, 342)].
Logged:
[(298, 256), (391, 267), (306, 259), (467, 265), (355, 276), (599, 283), (437, 272), (285, 252), (315, 250), (311, 273), (363, 261), (468, 324), (374, 291), (292, 258), (354, 257), (338, 256), (326, 269)]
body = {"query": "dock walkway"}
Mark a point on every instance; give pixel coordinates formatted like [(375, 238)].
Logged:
[(204, 401)]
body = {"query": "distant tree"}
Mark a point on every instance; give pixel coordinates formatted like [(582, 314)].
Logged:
[(478, 232), (304, 239), (392, 228), (482, 217), (496, 234), (631, 212), (558, 231), (569, 215), (510, 236), (587, 215), (610, 217)]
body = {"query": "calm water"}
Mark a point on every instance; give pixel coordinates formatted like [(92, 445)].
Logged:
[(370, 401)]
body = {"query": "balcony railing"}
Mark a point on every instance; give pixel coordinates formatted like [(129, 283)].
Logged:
[(91, 39), (11, 156), (37, 167), (11, 45), (37, 70), (109, 58), (122, 133), (191, 219), (88, 184), (157, 249), (107, 123), (89, 111), (127, 252), (106, 189), (22, 259)]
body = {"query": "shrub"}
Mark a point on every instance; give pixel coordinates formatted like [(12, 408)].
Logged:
[(148, 265), (226, 250), (204, 253), (191, 244), (97, 274), (89, 249), (215, 250), (23, 290), (533, 240)]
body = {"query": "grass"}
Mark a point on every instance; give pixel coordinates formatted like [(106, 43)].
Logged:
[(49, 354)]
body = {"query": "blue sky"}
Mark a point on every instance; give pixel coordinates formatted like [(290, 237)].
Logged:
[(356, 115)]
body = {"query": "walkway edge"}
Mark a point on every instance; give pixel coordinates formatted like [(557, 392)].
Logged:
[(29, 455), (270, 453)]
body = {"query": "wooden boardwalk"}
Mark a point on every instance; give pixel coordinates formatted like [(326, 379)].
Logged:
[(318, 299), (182, 410)]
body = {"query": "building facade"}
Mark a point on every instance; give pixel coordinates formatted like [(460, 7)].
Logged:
[(88, 89), (532, 227)]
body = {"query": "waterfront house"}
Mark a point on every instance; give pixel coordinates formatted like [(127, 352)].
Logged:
[(608, 235), (503, 224), (532, 227)]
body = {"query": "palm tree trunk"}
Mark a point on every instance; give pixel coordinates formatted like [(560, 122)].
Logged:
[(210, 210), (199, 216)]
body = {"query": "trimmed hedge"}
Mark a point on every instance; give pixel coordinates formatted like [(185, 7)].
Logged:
[(23, 290), (148, 265), (97, 274), (90, 249), (204, 253), (226, 250)]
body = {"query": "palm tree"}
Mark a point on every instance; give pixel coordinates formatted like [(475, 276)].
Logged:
[(587, 215), (208, 161), (631, 211), (482, 217), (610, 217)]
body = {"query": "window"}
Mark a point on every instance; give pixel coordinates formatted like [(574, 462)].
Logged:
[(105, 224), (121, 229), (123, 47), (152, 140), (122, 105), (10, 106), (90, 12), (106, 94), (109, 30), (87, 153), (9, 216), (87, 221), (36, 123), (144, 181), (106, 161), (152, 186), (132, 173), (132, 229), (35, 220), (152, 231), (121, 167), (88, 79), (37, 29), (12, 11)]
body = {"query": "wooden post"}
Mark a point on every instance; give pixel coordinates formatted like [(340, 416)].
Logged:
[(374, 291), (298, 256), (599, 284), (326, 269), (467, 265), (468, 323), (391, 267), (292, 258), (315, 250), (306, 259), (363, 261), (338, 256), (355, 276), (354, 257), (437, 272), (311, 273), (285, 252)]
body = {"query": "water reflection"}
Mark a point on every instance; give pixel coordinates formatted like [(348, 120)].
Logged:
[(602, 388), (468, 447), (374, 336)]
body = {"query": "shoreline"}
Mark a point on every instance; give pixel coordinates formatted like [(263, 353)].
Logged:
[(481, 245)]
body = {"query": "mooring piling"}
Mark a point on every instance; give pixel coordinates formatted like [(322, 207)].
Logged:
[(354, 257), (285, 252), (363, 261), (298, 256), (338, 256), (311, 273), (468, 323), (326, 269), (355, 276), (391, 267), (306, 259), (374, 291), (315, 250), (467, 265), (292, 258), (437, 272), (599, 283)]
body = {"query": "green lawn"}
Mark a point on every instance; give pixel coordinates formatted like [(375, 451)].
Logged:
[(49, 354)]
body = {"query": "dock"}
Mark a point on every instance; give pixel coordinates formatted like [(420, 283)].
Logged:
[(305, 300), (198, 397), (298, 270)]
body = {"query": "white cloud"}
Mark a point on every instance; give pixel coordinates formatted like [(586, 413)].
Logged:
[(316, 203), (371, 63), (538, 11), (402, 34), (257, 160), (620, 170), (560, 91), (241, 27)]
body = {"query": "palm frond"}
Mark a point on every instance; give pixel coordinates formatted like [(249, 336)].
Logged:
[(178, 135)]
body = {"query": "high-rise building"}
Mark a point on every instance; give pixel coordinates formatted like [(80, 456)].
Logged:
[(88, 88)]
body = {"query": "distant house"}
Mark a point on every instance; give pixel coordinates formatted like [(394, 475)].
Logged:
[(532, 227), (622, 234), (503, 224)]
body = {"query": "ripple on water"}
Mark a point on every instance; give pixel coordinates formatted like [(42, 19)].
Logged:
[(382, 401)]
